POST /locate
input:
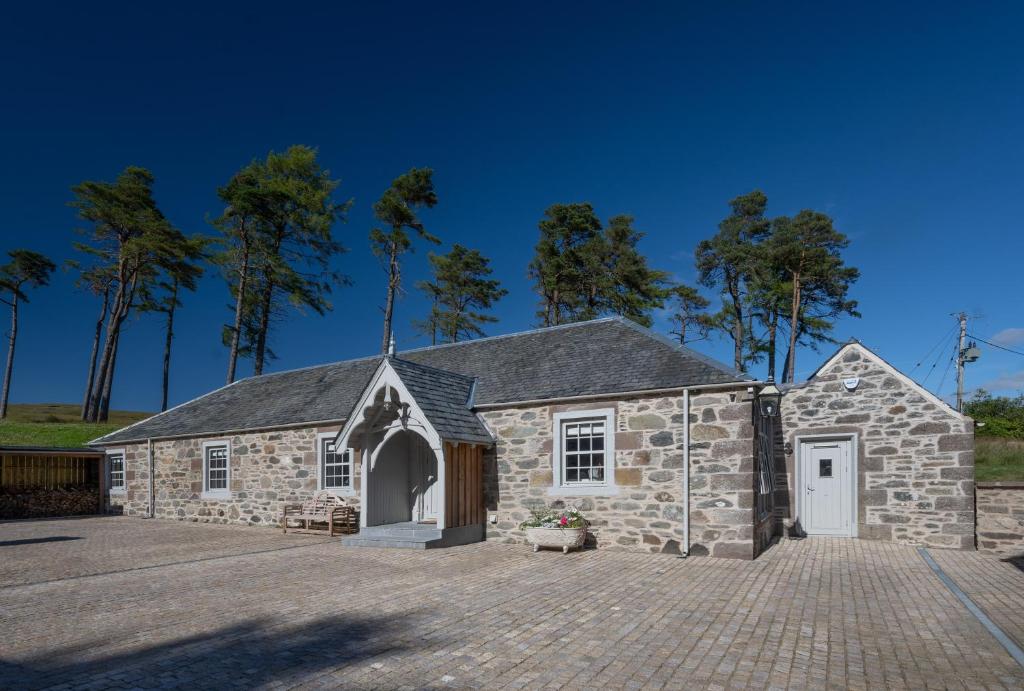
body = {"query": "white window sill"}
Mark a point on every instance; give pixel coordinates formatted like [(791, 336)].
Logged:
[(584, 491), (117, 492), (339, 491), (216, 496)]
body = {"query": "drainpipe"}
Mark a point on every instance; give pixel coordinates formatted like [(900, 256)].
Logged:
[(686, 474), (152, 485)]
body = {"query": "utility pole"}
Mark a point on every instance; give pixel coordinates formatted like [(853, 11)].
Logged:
[(960, 363)]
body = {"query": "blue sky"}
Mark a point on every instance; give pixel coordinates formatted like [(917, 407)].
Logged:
[(903, 122)]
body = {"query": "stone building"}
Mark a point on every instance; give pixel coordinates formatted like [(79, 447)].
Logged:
[(663, 449), (869, 453)]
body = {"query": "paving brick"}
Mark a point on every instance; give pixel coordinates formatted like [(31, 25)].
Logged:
[(137, 603)]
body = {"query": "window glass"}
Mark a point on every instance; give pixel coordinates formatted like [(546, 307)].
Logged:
[(116, 471), (216, 468), (583, 452), (825, 467), (337, 467)]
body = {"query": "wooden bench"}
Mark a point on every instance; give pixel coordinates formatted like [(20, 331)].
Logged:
[(322, 508)]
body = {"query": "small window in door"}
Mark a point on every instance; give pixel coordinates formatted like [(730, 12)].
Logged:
[(825, 467)]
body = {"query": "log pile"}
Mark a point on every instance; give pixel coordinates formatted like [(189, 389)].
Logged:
[(40, 503)]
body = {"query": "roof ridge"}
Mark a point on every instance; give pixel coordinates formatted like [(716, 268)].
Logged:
[(514, 334), (432, 368), (311, 367), (438, 346)]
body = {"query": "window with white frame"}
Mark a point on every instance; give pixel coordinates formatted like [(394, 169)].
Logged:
[(115, 463), (335, 465), (584, 451), (216, 468)]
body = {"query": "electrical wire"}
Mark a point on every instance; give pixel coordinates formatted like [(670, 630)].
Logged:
[(932, 350), (938, 357), (1008, 350), (946, 372)]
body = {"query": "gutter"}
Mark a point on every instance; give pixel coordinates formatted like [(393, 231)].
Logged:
[(686, 474), (622, 394), (209, 433), (152, 486)]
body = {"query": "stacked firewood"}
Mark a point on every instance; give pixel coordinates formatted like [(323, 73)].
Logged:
[(39, 503)]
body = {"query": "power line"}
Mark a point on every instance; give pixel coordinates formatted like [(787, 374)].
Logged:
[(946, 372), (938, 356), (1008, 350), (932, 350)]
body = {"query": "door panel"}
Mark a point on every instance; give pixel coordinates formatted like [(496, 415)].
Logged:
[(423, 480), (827, 479)]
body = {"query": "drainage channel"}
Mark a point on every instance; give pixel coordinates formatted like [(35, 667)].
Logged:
[(1011, 647)]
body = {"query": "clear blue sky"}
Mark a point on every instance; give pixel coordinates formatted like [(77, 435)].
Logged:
[(905, 123)]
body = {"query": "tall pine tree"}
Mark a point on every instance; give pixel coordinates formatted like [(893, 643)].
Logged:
[(396, 211), (27, 269)]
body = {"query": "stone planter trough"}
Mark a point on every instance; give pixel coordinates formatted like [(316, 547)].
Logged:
[(561, 538)]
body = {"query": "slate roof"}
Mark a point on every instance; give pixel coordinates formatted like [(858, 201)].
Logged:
[(603, 356), (444, 397)]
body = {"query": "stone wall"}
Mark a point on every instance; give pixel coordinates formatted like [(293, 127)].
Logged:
[(915, 455), (268, 469), (647, 512), (1001, 517)]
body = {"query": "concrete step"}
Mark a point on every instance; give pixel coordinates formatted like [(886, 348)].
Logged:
[(390, 542), (403, 531)]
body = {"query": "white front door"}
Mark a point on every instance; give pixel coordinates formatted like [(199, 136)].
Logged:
[(827, 475)]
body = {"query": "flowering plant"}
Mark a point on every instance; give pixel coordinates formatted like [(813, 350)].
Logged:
[(554, 518)]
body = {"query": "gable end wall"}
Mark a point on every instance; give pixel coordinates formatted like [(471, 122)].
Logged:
[(915, 456)]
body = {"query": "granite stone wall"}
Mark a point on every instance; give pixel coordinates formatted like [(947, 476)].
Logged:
[(1001, 517), (268, 469), (915, 455), (646, 513)]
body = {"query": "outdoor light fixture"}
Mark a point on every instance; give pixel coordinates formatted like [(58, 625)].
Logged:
[(769, 399)]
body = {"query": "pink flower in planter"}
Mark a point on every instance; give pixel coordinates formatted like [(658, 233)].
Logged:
[(564, 521)]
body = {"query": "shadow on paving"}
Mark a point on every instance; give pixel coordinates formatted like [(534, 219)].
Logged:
[(38, 540), (1016, 562), (249, 654)]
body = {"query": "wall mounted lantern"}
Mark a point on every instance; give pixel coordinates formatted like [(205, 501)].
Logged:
[(769, 399)]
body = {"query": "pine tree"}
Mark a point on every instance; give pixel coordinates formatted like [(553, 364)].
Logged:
[(809, 253), (689, 314), (27, 269), (128, 234), (279, 246), (396, 210), (727, 261), (582, 270), (460, 293), (181, 268)]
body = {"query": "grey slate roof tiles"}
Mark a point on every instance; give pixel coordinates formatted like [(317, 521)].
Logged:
[(443, 397), (603, 356)]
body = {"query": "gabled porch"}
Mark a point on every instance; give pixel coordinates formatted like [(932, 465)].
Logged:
[(420, 449)]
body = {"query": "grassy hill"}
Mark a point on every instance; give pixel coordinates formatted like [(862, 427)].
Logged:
[(57, 424)]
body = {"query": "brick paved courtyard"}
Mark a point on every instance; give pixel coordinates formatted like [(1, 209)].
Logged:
[(122, 602)]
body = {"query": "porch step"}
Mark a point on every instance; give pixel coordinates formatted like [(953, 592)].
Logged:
[(390, 542), (413, 536)]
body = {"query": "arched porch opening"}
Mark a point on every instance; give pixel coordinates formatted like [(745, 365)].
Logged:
[(403, 481)]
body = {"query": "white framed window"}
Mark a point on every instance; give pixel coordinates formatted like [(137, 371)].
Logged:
[(115, 471), (216, 469), (584, 453), (334, 465)]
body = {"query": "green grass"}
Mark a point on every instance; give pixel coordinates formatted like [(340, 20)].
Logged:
[(57, 424), (998, 458)]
